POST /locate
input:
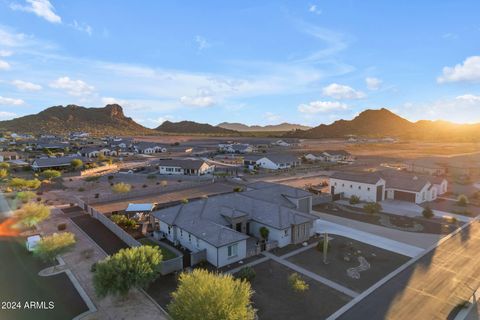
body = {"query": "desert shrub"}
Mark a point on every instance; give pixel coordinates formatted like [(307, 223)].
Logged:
[(247, 274), (354, 199), (184, 201), (428, 213), (372, 207), (297, 283), (462, 200), (25, 196), (237, 189), (144, 186), (81, 189), (121, 187), (62, 226), (92, 178), (124, 221), (151, 176), (264, 232)]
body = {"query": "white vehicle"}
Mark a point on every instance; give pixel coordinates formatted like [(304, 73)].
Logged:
[(32, 242)]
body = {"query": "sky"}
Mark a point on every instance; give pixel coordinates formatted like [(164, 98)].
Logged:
[(255, 62)]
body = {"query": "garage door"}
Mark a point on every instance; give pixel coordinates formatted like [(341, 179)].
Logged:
[(404, 196)]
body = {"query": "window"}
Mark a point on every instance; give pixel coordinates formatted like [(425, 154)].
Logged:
[(181, 232), (359, 187), (198, 243), (189, 237), (169, 230), (351, 186), (335, 184), (343, 184), (368, 188), (232, 250), (286, 232)]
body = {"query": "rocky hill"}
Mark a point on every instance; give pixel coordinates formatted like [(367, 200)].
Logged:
[(268, 128), (109, 120), (193, 128), (383, 123)]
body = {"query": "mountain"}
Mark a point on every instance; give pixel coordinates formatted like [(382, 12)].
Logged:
[(269, 128), (109, 120), (193, 127), (382, 123)]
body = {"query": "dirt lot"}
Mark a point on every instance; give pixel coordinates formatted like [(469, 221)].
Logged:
[(381, 262), (162, 197), (275, 299)]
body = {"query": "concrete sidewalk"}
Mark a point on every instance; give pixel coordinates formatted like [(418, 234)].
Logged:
[(416, 239), (322, 226)]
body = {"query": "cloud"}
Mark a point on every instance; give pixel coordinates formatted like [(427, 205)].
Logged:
[(373, 83), (338, 91), (468, 98), (6, 115), (197, 101), (73, 87), (4, 65), (82, 27), (314, 9), (468, 71), (5, 53), (460, 109), (202, 43), (10, 101), (42, 8), (27, 86), (271, 117), (321, 106)]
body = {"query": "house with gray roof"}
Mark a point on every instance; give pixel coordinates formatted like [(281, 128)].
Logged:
[(144, 147), (57, 163), (278, 161), (387, 184), (185, 167), (228, 226)]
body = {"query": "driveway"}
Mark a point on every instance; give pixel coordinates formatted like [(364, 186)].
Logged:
[(322, 226), (414, 210)]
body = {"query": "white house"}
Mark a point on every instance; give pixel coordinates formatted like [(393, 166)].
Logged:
[(7, 156), (337, 156), (94, 152), (148, 148), (228, 226), (278, 161), (314, 157), (281, 143), (367, 186), (235, 148), (387, 184), (185, 167), (57, 162)]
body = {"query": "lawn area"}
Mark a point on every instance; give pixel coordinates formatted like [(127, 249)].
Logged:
[(167, 254), (275, 299), (20, 282), (345, 253)]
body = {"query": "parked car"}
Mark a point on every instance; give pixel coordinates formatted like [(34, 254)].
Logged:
[(32, 242)]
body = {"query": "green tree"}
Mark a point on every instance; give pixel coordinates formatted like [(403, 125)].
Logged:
[(49, 247), (76, 164), (31, 214), (264, 232), (4, 165), (124, 221), (128, 268), (25, 196), (51, 174), (354, 199), (209, 296), (121, 187), (3, 174)]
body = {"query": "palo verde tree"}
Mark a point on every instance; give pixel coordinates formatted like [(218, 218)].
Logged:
[(25, 196), (3, 174), (23, 184), (51, 174), (76, 164), (210, 296), (121, 187), (128, 268), (49, 247), (31, 214)]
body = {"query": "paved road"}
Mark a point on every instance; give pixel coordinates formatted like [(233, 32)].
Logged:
[(322, 226), (430, 287), (421, 240)]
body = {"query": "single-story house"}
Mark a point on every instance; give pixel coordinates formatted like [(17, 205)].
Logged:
[(278, 161), (148, 148), (185, 167), (314, 157), (7, 156), (336, 156), (235, 148), (227, 227), (387, 184), (57, 162), (94, 152)]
